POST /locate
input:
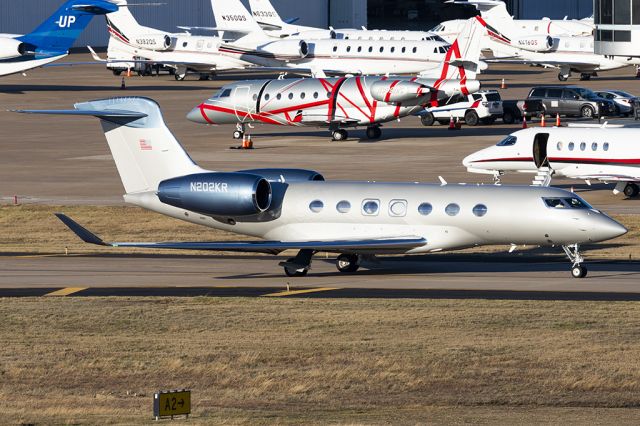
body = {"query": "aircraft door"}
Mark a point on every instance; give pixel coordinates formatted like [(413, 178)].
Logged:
[(540, 150), (242, 104)]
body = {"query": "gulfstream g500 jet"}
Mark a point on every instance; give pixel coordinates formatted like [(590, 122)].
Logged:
[(298, 209), (52, 39)]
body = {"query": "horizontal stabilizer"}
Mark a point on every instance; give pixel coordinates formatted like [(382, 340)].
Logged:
[(106, 114), (273, 247)]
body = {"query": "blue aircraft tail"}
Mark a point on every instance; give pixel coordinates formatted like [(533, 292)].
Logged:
[(56, 35)]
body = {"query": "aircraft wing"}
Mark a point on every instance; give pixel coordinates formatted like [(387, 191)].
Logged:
[(546, 62), (608, 178), (270, 247)]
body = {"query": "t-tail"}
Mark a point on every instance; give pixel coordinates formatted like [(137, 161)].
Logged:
[(56, 35), (123, 26), (143, 148), (266, 15), (233, 19)]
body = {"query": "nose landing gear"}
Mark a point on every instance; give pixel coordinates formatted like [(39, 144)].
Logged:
[(240, 131), (573, 253)]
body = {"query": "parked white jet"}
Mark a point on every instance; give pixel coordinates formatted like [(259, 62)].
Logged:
[(510, 43), (297, 209), (52, 39), (132, 44), (269, 19), (322, 56), (585, 153)]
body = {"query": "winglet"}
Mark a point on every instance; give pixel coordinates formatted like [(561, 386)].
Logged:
[(95, 56), (83, 233)]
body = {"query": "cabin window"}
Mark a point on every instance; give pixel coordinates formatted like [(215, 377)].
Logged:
[(398, 208), (381, 49), (370, 49), (316, 206), (415, 49), (343, 206), (370, 207), (605, 146), (571, 146), (185, 44), (335, 48), (255, 97), (583, 146), (404, 49), (315, 95), (267, 97), (594, 146), (348, 48), (290, 95), (302, 95), (425, 209), (560, 146), (279, 96), (393, 49), (480, 210), (359, 49), (452, 209)]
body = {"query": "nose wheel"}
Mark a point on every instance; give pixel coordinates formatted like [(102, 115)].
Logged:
[(240, 131), (573, 253), (348, 263)]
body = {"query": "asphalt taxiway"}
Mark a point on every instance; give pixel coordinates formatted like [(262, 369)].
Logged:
[(65, 161)]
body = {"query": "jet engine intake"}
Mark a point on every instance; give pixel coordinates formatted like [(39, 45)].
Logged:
[(218, 194), (159, 42), (393, 91), (534, 43), (286, 49), (11, 48), (286, 175)]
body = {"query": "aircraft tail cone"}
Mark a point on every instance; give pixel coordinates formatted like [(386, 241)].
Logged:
[(558, 124)]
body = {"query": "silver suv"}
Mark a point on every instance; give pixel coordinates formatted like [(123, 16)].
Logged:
[(572, 101)]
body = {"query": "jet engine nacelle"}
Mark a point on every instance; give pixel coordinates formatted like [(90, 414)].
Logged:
[(286, 49), (152, 41), (218, 194), (393, 91), (534, 43), (286, 175), (11, 48)]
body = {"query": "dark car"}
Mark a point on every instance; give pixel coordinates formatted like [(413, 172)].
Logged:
[(572, 101)]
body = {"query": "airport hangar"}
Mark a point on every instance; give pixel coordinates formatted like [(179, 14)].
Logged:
[(18, 17)]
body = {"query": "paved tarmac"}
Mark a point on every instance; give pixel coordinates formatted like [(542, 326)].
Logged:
[(65, 161)]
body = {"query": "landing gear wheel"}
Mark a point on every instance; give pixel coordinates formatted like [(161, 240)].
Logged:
[(339, 135), (631, 190), (238, 134), (180, 77), (290, 272), (347, 263), (563, 77), (585, 76), (471, 118), (579, 271), (587, 112), (427, 119), (374, 132)]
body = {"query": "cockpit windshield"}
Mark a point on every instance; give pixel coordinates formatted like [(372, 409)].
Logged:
[(508, 141), (566, 203), (224, 93)]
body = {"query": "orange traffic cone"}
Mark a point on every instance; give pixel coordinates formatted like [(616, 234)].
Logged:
[(503, 85), (452, 125), (123, 85), (524, 121), (249, 143), (558, 120), (458, 124), (542, 123)]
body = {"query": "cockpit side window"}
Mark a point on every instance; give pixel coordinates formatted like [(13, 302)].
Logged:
[(508, 141), (225, 93), (566, 203)]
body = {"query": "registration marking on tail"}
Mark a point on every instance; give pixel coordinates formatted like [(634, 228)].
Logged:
[(65, 291), (296, 292)]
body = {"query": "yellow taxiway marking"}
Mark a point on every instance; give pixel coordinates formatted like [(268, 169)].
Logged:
[(294, 292), (65, 291), (39, 256)]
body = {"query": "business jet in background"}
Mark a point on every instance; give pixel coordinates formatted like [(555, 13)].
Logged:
[(293, 209), (321, 57), (341, 103), (269, 19), (511, 43), (52, 39), (607, 154), (133, 46)]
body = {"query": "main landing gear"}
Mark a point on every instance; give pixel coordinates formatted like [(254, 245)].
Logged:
[(631, 190), (573, 253), (300, 265), (562, 76), (339, 135), (374, 132)]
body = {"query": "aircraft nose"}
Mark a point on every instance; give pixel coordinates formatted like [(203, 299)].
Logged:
[(608, 229), (197, 115)]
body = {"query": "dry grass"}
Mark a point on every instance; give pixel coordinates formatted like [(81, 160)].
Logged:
[(321, 361), (34, 229)]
